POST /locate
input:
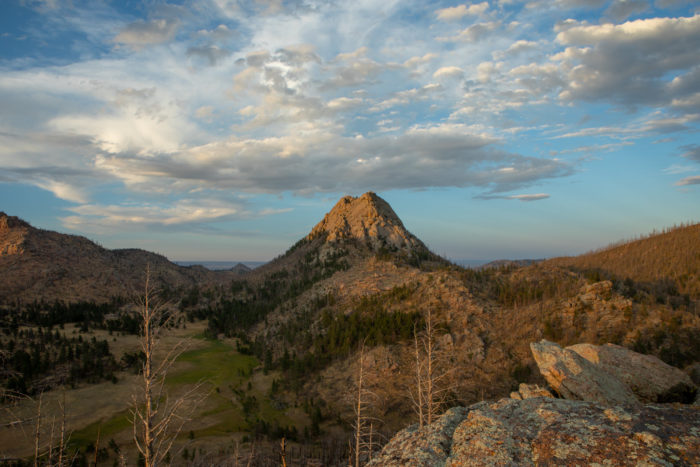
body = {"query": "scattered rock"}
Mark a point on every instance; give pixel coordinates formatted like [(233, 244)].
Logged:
[(528, 391), (598, 291), (650, 379), (574, 377), (546, 431)]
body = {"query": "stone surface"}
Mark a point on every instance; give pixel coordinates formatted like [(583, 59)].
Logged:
[(574, 377), (546, 431), (427, 446), (528, 391), (367, 218), (650, 379)]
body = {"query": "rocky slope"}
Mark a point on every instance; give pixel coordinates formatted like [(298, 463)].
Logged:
[(44, 265), (369, 219), (546, 431), (598, 427)]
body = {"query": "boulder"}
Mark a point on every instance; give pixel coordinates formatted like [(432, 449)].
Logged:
[(650, 379), (528, 391), (546, 431), (574, 377), (428, 446), (694, 372)]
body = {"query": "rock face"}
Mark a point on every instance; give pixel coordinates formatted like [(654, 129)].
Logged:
[(650, 379), (367, 218), (545, 431), (574, 377)]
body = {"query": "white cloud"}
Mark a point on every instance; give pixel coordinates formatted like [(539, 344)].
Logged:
[(448, 72), (443, 155), (458, 12), (473, 33), (630, 62), (142, 33)]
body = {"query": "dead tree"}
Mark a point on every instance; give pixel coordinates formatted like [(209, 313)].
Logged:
[(432, 374), (157, 420), (363, 423)]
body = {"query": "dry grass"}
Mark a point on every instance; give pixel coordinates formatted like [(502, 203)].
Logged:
[(674, 255)]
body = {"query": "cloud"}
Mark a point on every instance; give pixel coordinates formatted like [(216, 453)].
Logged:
[(530, 197), (180, 212), (473, 33), (321, 161), (458, 12), (692, 152), (448, 72), (220, 33), (622, 9), (142, 33), (209, 53), (692, 180), (628, 63)]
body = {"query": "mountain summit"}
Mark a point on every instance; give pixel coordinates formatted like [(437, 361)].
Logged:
[(367, 218)]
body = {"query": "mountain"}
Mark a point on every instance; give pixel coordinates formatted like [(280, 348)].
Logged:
[(360, 280), (360, 276), (369, 219), (40, 265)]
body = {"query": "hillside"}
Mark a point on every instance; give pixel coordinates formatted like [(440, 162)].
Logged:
[(360, 276), (44, 265), (668, 258)]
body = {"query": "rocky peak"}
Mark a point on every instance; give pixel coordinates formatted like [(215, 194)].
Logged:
[(367, 218), (12, 234), (11, 222)]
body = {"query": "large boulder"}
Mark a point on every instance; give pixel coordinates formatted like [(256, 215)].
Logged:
[(574, 377), (650, 379), (545, 431)]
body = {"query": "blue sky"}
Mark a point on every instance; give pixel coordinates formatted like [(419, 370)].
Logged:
[(224, 129)]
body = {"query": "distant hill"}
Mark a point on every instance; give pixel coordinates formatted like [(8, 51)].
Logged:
[(673, 255), (45, 265), (499, 263)]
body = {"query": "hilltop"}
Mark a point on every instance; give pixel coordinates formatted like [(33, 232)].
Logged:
[(671, 257), (44, 265)]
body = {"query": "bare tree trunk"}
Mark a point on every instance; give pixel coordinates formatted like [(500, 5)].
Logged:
[(37, 431), (97, 443), (158, 423), (283, 453), (429, 351), (419, 382), (358, 408), (62, 446)]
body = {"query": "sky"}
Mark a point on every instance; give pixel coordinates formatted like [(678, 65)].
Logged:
[(226, 129)]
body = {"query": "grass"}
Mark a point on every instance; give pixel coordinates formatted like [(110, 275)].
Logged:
[(107, 429), (218, 363)]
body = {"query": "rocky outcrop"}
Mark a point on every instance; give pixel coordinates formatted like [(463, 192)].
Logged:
[(545, 431), (574, 377), (367, 218), (650, 379), (527, 391)]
